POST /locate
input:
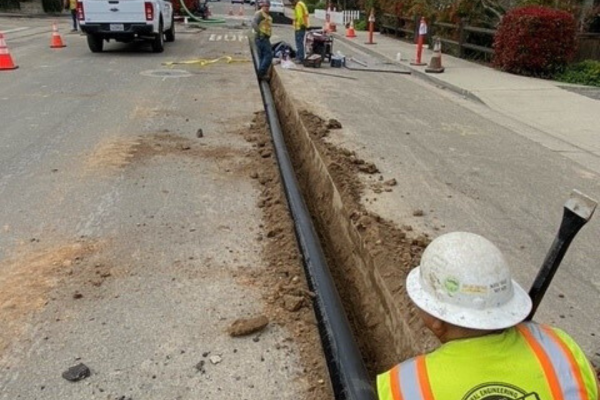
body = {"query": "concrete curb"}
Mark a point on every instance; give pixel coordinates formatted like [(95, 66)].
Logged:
[(422, 75)]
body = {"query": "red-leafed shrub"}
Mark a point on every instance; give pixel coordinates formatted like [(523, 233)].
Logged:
[(190, 4), (535, 41)]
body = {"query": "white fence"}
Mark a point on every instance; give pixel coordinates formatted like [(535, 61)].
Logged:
[(339, 17)]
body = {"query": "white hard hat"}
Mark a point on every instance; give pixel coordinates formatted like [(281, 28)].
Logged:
[(464, 280)]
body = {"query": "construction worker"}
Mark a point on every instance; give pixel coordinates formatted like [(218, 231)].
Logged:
[(300, 26), (466, 297), (262, 24), (71, 5)]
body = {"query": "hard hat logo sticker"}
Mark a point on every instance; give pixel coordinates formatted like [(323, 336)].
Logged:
[(452, 285), (499, 391), (473, 289)]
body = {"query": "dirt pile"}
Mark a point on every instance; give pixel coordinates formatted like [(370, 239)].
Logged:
[(283, 283)]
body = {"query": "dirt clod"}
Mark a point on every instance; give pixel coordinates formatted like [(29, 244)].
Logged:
[(418, 213), (247, 326), (77, 373), (292, 303), (333, 124), (199, 133), (368, 168), (200, 367)]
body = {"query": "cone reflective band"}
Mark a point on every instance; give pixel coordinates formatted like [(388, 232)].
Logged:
[(423, 27), (6, 62)]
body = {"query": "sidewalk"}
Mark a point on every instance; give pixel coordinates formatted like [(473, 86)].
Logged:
[(569, 121)]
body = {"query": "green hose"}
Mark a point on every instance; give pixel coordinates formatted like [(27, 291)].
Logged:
[(200, 20)]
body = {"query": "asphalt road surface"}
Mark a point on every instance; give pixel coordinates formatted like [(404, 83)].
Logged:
[(97, 177), (128, 221)]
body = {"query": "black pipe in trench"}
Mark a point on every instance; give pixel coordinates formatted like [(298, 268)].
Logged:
[(347, 371)]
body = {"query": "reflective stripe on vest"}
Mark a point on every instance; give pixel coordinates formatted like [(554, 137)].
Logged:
[(409, 381), (562, 371)]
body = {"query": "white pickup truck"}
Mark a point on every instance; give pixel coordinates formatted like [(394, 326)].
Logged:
[(126, 21)]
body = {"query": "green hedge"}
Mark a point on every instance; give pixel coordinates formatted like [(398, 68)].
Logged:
[(583, 73)]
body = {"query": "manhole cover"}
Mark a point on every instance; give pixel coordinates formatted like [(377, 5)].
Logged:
[(167, 73)]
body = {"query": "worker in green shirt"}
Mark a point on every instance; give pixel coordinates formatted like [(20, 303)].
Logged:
[(466, 297)]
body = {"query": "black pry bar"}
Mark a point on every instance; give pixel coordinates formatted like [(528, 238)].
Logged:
[(578, 210)]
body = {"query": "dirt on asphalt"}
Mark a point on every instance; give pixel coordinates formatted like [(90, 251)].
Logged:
[(282, 282)]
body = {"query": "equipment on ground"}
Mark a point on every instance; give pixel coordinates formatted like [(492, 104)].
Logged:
[(337, 62), (313, 61), (577, 211), (316, 41)]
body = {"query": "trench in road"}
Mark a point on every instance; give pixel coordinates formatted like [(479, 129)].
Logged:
[(369, 257)]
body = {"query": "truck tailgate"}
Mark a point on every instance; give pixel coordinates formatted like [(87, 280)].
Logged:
[(114, 11)]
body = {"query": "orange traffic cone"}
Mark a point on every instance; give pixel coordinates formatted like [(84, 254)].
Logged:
[(6, 61), (56, 41), (350, 31), (435, 65), (241, 10)]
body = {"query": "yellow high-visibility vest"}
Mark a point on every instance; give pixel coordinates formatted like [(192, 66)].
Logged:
[(300, 16), (265, 24), (526, 362)]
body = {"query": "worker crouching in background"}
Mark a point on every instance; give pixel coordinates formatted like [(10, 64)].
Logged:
[(466, 297), (262, 24)]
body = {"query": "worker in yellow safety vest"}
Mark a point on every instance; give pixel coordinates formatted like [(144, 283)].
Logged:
[(71, 5), (466, 297), (262, 25), (301, 23)]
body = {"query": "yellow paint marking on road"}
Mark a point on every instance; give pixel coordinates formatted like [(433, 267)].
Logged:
[(202, 62), (462, 130)]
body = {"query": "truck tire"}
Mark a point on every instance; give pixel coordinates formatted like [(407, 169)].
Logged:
[(95, 43), (158, 44), (170, 34)]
